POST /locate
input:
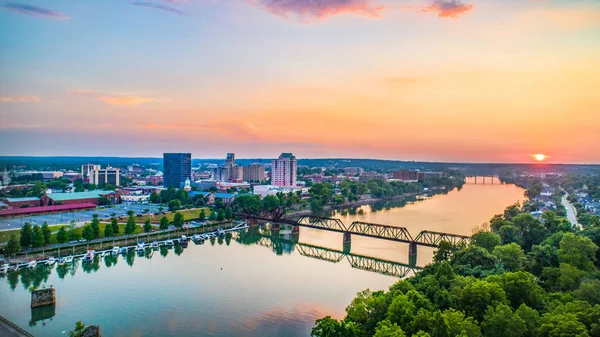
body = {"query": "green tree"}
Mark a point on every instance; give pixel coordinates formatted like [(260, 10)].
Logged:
[(511, 256), (327, 327), (456, 324), (487, 240), (228, 213), (502, 322), (164, 223), (38, 189), (220, 215), (108, 231), (114, 223), (531, 318), (212, 216), (174, 205), (509, 234), (178, 220), (37, 237), (96, 225), (13, 245), (444, 252), (46, 231), (559, 325), (130, 226), (26, 232), (475, 298), (577, 251), (386, 328), (88, 233), (520, 288), (61, 235), (155, 198), (202, 215), (147, 226), (79, 327)]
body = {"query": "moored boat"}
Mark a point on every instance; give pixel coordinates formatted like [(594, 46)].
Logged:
[(115, 250), (50, 261), (32, 264), (89, 256)]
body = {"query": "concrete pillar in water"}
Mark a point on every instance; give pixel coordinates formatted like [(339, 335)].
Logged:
[(295, 234), (43, 297), (412, 254), (275, 226)]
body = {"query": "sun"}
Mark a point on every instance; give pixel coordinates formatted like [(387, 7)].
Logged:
[(539, 157)]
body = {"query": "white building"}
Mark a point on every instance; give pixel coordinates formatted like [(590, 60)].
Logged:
[(109, 175), (283, 170), (264, 190)]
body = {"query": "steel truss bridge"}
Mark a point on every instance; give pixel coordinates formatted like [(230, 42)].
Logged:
[(362, 262), (372, 230)]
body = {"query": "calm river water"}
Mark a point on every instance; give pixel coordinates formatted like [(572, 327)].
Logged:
[(246, 284)]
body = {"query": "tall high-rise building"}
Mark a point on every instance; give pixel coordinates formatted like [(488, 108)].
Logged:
[(254, 172), (230, 161), (86, 169), (100, 177), (177, 167), (283, 170)]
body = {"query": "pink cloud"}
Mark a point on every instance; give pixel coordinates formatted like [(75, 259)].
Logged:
[(117, 99), (307, 11), (18, 99), (35, 11), (448, 8)]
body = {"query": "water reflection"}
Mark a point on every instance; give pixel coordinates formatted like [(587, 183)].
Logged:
[(46, 312)]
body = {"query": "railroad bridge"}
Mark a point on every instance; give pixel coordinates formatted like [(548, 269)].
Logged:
[(372, 230)]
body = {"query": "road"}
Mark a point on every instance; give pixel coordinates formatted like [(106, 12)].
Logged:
[(571, 212), (79, 217)]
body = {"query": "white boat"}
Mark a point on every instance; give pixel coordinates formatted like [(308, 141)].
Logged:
[(115, 250), (169, 242), (220, 232), (4, 269), (140, 246), (32, 264), (50, 261), (60, 261), (89, 256), (123, 250), (69, 259), (184, 238), (154, 244)]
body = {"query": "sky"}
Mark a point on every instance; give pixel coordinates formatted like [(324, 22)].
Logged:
[(425, 80)]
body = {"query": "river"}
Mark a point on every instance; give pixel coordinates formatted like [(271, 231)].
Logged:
[(245, 284)]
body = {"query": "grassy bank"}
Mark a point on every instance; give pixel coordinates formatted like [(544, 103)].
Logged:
[(188, 214)]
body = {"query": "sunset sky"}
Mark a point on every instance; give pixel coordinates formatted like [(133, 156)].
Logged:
[(434, 80)]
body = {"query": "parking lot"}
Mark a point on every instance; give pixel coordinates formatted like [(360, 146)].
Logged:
[(80, 216)]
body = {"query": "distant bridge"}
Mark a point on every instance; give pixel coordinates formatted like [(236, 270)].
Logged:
[(372, 230)]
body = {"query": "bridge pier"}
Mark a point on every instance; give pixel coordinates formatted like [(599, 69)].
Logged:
[(252, 222), (347, 242), (295, 229), (412, 254), (275, 227)]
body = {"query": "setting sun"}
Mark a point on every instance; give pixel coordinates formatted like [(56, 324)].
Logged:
[(539, 157)]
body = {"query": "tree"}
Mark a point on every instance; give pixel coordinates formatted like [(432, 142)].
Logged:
[(228, 213), (511, 256), (577, 251), (79, 327), (487, 240), (386, 328), (202, 215), (130, 226), (88, 233), (37, 237), (220, 215), (178, 220), (62, 236), (559, 324), (164, 223), (327, 327), (456, 324), (509, 234), (155, 198), (96, 225), (444, 252), (114, 223), (502, 322), (38, 189), (520, 288), (108, 231), (13, 245), (26, 232), (174, 205), (475, 298), (212, 216), (46, 231), (147, 226)]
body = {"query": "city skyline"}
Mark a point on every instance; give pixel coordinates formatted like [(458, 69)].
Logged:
[(431, 80)]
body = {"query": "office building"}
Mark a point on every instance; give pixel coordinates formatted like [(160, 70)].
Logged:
[(230, 160), (283, 170), (254, 173), (406, 175), (101, 177), (86, 169), (177, 167), (366, 176)]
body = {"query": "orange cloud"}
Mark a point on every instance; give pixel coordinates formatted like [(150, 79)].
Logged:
[(18, 99), (117, 99), (448, 8)]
